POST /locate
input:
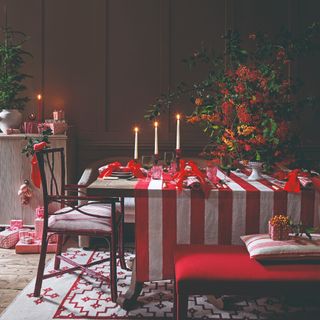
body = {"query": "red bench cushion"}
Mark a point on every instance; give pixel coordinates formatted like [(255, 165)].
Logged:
[(205, 269)]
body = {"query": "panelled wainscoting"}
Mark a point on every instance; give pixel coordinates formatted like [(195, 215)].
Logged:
[(105, 61)]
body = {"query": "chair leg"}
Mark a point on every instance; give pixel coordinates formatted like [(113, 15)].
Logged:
[(42, 261), (113, 268), (58, 252)]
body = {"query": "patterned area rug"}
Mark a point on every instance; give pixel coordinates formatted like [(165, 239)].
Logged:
[(72, 296)]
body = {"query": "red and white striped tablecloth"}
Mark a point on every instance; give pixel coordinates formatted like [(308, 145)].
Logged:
[(166, 217)]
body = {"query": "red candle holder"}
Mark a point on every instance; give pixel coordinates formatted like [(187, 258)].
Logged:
[(156, 158), (178, 157)]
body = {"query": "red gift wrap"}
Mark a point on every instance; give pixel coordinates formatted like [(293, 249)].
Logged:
[(16, 224), (34, 247)]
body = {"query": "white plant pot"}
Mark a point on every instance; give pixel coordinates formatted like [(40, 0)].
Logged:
[(10, 118), (256, 173)]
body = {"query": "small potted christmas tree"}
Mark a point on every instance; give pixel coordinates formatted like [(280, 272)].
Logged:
[(11, 77)]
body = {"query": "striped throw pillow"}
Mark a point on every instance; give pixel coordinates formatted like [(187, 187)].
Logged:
[(261, 247)]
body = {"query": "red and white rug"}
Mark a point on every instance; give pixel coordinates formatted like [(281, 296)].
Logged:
[(72, 296)]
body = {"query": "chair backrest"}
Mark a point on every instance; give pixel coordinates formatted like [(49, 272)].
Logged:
[(52, 171)]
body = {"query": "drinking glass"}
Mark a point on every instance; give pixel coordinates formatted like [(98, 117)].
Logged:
[(156, 172), (211, 172), (147, 162), (168, 159)]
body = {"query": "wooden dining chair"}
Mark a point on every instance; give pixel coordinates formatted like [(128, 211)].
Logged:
[(69, 213)]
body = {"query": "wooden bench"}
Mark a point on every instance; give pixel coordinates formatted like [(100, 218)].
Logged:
[(220, 270)]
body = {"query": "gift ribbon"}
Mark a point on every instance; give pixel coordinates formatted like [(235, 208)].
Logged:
[(35, 171)]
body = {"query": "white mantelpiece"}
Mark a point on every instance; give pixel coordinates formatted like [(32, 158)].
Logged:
[(15, 167)]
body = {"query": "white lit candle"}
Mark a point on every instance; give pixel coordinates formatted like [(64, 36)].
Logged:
[(156, 150), (178, 132), (135, 156)]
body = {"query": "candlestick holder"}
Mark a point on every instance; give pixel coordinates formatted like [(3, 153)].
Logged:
[(155, 158), (178, 157)]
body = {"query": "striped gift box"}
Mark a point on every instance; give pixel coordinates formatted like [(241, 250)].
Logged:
[(9, 238)]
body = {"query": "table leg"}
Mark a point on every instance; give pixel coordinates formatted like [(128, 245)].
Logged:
[(129, 300)]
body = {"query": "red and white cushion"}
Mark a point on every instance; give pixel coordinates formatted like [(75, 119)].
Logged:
[(261, 247), (75, 220)]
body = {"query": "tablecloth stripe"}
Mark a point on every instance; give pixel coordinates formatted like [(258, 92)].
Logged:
[(141, 227), (238, 209), (197, 217), (252, 205), (316, 215), (266, 200), (211, 218), (155, 229), (307, 207), (169, 229), (183, 216), (294, 205)]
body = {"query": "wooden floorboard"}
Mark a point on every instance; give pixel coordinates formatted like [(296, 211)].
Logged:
[(17, 270)]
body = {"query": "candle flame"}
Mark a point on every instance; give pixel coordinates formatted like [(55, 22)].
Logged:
[(178, 116), (156, 124), (39, 96), (136, 129)]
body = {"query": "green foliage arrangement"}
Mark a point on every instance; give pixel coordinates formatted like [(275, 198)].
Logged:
[(11, 61), (31, 141), (247, 100)]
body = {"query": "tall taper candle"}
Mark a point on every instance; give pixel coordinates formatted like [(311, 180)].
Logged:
[(39, 98), (178, 132), (156, 150), (135, 156)]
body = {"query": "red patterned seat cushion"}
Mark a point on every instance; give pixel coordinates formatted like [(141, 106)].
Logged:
[(228, 269)]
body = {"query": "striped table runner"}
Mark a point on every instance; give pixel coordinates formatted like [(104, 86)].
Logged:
[(166, 217)]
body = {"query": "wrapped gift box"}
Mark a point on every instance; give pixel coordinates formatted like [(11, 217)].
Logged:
[(30, 127), (9, 238), (57, 127), (34, 247), (38, 228), (279, 232), (16, 224)]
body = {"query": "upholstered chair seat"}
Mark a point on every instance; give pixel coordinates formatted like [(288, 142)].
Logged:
[(77, 221)]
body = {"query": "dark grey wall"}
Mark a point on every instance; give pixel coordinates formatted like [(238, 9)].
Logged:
[(104, 61)]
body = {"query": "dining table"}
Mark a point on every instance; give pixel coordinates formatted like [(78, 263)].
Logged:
[(167, 216)]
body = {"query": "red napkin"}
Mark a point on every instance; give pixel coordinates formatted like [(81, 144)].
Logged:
[(135, 168), (106, 171), (132, 166), (293, 184), (190, 169), (35, 171)]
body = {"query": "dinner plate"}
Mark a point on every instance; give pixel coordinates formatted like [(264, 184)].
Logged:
[(121, 174)]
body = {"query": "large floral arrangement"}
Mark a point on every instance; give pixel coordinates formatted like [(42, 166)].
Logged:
[(247, 102)]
